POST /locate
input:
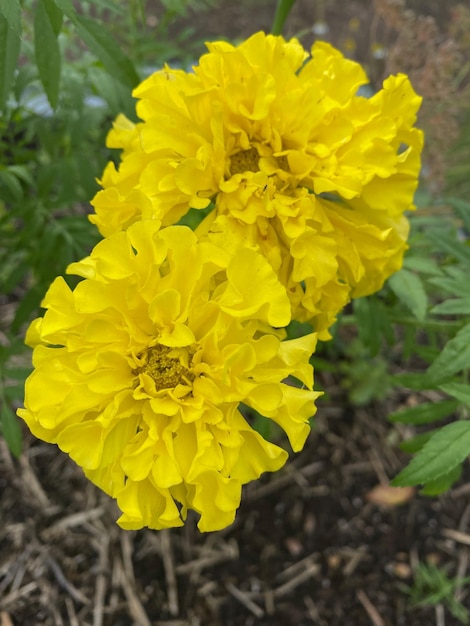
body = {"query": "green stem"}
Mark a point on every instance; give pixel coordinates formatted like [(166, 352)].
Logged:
[(409, 321), (282, 11)]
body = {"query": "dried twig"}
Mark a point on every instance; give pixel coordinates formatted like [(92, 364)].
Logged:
[(33, 484), (311, 571), (356, 558), (257, 492), (5, 619), (64, 583), (245, 600), (101, 581), (12, 597), (457, 536), (136, 609), (126, 551), (77, 519), (369, 608), (292, 570), (227, 553), (440, 615), (170, 575), (72, 616)]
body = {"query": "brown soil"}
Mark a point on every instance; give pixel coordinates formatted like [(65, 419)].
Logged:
[(307, 547)]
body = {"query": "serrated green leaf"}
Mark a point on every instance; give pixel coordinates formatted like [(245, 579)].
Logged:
[(409, 289), (422, 265), (10, 44), (11, 430), (47, 53), (448, 242), (446, 449), (104, 46), (11, 11), (425, 413), (443, 483), (460, 391), (12, 183), (462, 208), (454, 306), (454, 285), (21, 172), (454, 357)]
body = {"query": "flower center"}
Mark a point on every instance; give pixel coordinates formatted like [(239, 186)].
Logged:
[(244, 161), (168, 366)]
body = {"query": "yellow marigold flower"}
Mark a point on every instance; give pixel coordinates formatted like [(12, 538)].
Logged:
[(293, 160), (141, 369)]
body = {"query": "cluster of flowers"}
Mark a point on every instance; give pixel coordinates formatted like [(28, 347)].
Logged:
[(142, 371)]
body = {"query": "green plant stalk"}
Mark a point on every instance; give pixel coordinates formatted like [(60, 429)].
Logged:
[(410, 321), (282, 11)]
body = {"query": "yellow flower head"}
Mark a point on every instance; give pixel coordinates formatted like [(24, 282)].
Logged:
[(140, 372), (294, 161)]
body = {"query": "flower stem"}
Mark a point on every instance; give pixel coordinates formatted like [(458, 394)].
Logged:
[(282, 11)]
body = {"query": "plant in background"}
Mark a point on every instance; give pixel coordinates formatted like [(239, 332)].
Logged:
[(64, 75), (433, 586), (441, 452)]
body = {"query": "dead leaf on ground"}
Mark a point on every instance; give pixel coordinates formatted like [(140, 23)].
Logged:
[(386, 495)]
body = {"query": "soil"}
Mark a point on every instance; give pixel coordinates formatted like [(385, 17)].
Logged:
[(310, 544), (316, 543)]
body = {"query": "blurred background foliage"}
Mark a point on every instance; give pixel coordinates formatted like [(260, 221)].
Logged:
[(68, 68)]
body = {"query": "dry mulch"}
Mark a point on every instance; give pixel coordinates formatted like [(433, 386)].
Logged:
[(308, 545)]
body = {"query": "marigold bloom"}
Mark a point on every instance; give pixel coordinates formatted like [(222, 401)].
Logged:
[(141, 369), (295, 162)]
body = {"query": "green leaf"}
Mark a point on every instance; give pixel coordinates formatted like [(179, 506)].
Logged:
[(11, 430), (461, 391), (413, 445), (443, 483), (55, 15), (413, 380), (454, 357), (47, 53), (67, 8), (368, 314), (425, 413), (11, 11), (409, 289), (21, 172), (423, 265), (27, 306), (448, 242), (282, 11), (446, 449), (10, 44), (455, 282), (102, 44), (454, 306), (462, 208), (10, 181)]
